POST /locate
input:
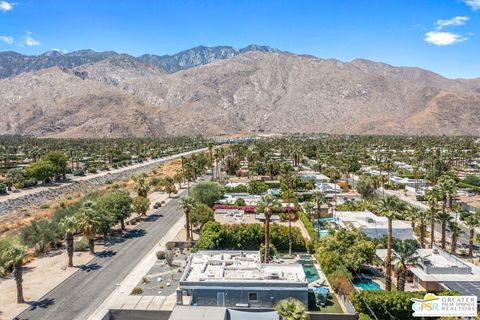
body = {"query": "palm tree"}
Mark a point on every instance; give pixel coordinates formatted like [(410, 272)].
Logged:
[(320, 199), (267, 206), (187, 204), (69, 225), (411, 214), (406, 254), (88, 221), (13, 257), (472, 222), (456, 231), (431, 196), (390, 207), (291, 309), (444, 218)]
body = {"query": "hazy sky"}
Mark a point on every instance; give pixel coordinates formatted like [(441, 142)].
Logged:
[(440, 35)]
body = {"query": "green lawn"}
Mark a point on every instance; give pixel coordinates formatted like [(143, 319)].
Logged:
[(332, 305)]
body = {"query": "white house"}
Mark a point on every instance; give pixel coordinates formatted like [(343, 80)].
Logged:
[(373, 226)]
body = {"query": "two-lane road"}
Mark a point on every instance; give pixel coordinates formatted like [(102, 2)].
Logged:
[(80, 295)]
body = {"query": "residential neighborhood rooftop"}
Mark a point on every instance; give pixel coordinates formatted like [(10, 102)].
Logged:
[(238, 266)]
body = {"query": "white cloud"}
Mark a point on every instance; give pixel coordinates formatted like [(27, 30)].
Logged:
[(456, 21), (29, 40), (443, 38), (6, 6), (474, 4), (6, 39)]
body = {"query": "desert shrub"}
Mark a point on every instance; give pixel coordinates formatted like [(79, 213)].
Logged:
[(41, 235), (3, 188), (80, 245), (160, 255), (137, 291)]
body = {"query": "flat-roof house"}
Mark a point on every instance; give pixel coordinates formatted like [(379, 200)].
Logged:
[(470, 203), (438, 270), (373, 226), (239, 279)]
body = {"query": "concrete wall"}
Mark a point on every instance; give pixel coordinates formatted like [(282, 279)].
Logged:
[(137, 315), (208, 297)]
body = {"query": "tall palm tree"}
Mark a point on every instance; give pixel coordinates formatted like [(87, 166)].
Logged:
[(320, 199), (431, 196), (13, 257), (444, 218), (411, 214), (187, 204), (456, 231), (390, 207), (472, 222), (291, 309), (89, 221), (267, 206), (69, 225), (406, 254)]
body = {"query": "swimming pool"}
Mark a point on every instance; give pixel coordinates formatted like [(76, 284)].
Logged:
[(366, 284), (310, 272)]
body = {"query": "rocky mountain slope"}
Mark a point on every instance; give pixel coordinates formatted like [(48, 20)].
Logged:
[(198, 56), (13, 63), (255, 91)]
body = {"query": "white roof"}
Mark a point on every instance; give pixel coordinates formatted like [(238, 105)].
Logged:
[(239, 266), (367, 219)]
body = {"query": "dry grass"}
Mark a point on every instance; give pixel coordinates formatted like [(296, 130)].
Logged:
[(11, 223)]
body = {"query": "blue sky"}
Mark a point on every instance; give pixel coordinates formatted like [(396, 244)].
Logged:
[(439, 35)]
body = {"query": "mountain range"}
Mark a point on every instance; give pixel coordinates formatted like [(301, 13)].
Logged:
[(223, 90)]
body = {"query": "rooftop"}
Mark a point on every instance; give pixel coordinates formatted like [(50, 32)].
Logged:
[(239, 266), (367, 219)]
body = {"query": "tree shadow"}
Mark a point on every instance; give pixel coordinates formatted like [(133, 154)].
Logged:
[(89, 267), (44, 303), (153, 217), (106, 254), (27, 269), (134, 233)]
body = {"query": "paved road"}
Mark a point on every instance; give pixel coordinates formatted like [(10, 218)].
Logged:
[(82, 293)]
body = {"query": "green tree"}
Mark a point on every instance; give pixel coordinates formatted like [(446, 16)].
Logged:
[(257, 187), (89, 221), (59, 161), (444, 218), (69, 225), (366, 187), (405, 254), (456, 231), (201, 214), (207, 192), (390, 207), (41, 170), (140, 205), (14, 177), (472, 221), (187, 204), (267, 206), (291, 309), (117, 204), (13, 257)]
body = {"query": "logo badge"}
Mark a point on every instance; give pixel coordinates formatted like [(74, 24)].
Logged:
[(445, 306)]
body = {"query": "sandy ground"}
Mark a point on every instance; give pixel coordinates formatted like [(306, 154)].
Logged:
[(45, 273), (39, 276)]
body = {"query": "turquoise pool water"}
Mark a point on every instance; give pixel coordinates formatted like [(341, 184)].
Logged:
[(324, 233), (310, 272), (366, 284)]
